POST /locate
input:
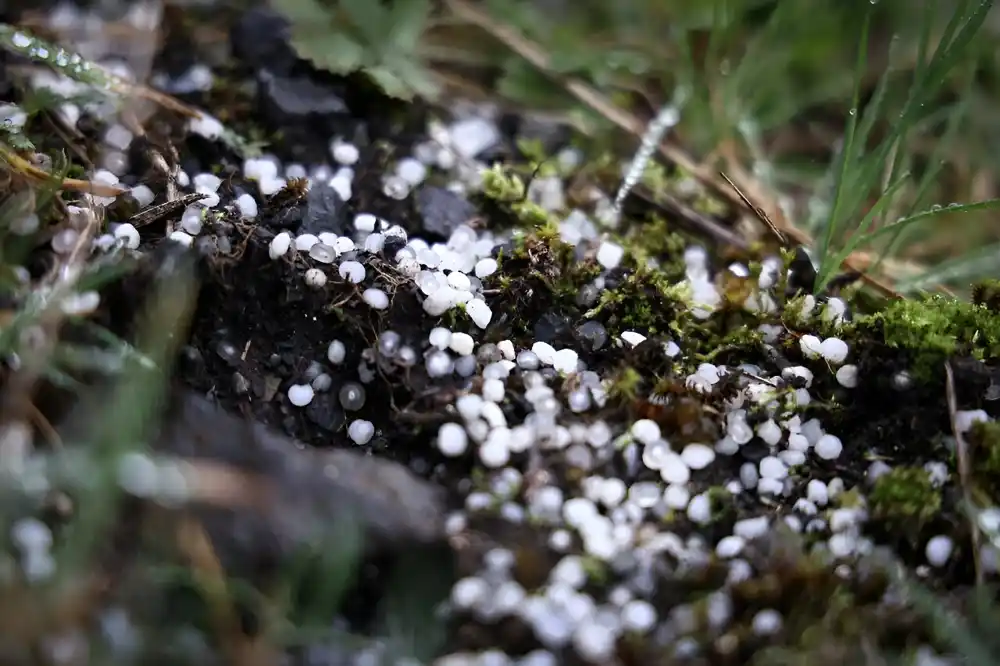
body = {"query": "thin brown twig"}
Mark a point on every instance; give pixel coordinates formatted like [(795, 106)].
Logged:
[(964, 469), (195, 545), (748, 189)]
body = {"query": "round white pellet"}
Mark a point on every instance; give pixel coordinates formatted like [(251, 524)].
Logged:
[(566, 361), (609, 255), (182, 237), (304, 242), (674, 470), (479, 312), (247, 205), (638, 615), (811, 346), (834, 350), (439, 338), (462, 344), (365, 222), (771, 467), (494, 453), (361, 431), (645, 431), (142, 195), (699, 509), (128, 234), (485, 267), (697, 456), (939, 549), (300, 395), (315, 278), (730, 546), (352, 271), (336, 352), (452, 440), (344, 153), (279, 245), (829, 447), (459, 281), (376, 298), (767, 622), (847, 376)]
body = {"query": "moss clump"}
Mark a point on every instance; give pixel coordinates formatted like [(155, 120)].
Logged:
[(987, 293), (934, 328), (645, 301), (624, 385), (905, 498), (507, 189), (984, 450)]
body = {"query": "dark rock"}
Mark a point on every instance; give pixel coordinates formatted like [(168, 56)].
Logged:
[(282, 495), (298, 96), (551, 326), (260, 39), (325, 412), (442, 210), (325, 211), (593, 334)]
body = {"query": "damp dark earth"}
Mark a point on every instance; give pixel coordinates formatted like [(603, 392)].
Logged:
[(296, 372)]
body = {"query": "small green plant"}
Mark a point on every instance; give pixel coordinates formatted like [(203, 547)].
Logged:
[(380, 39)]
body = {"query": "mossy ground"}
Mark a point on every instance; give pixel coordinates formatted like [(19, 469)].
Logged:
[(263, 310)]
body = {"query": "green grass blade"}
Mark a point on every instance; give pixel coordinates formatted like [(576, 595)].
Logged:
[(959, 270), (848, 150)]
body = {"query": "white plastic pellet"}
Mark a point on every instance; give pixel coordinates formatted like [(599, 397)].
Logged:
[(128, 234), (376, 298), (300, 395), (279, 245), (361, 431)]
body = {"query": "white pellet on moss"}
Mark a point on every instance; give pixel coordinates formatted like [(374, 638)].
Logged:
[(811, 346), (609, 255), (485, 267), (64, 241), (300, 395), (304, 242), (376, 298), (479, 312), (834, 350), (361, 431)]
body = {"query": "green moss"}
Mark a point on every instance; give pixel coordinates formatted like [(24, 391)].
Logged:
[(984, 449), (934, 328), (656, 240), (987, 293), (905, 498), (625, 385), (645, 301), (508, 189)]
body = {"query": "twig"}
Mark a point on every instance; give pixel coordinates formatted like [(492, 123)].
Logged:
[(197, 548), (26, 168), (964, 469)]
